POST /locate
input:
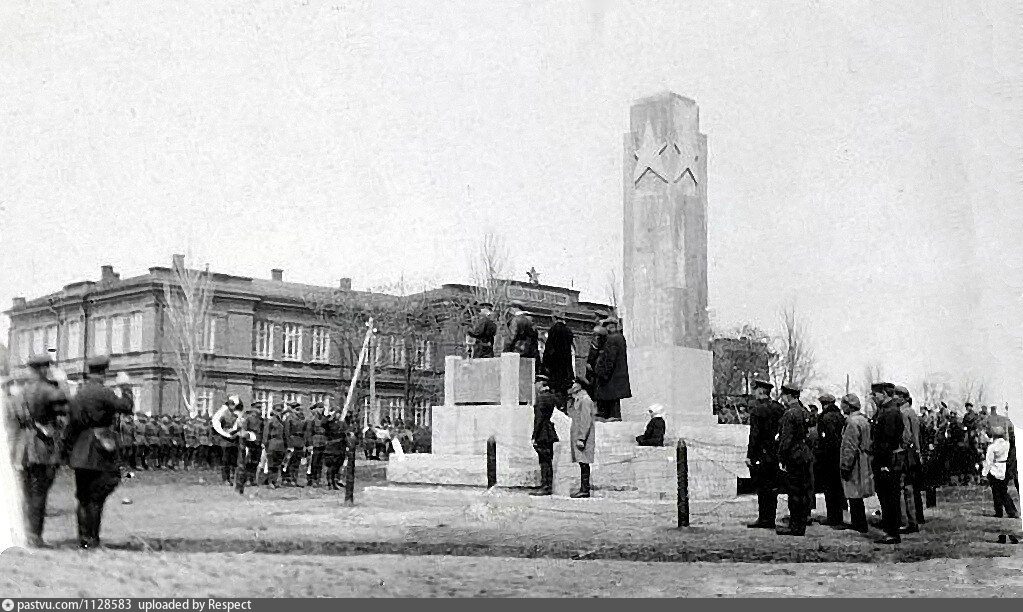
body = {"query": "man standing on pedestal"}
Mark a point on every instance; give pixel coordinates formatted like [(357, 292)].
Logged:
[(522, 337), (762, 453), (544, 435), (483, 333), (612, 372), (796, 460), (558, 361)]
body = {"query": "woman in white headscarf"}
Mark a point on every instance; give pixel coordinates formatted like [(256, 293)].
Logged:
[(655, 428)]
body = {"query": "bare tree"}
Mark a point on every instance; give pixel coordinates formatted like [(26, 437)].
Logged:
[(972, 389), (796, 362), (613, 290), (189, 299), (490, 267), (935, 389)]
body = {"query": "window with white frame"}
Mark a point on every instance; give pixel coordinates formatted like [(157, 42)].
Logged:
[(264, 339), (100, 337), (135, 332), (39, 341), (204, 400), (292, 349), (394, 410), (292, 396), (397, 354), (321, 344), (322, 398), (424, 358), (421, 416), (117, 330), (74, 340), (25, 345), (266, 398), (208, 342)]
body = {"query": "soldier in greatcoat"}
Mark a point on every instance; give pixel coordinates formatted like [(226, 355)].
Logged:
[(762, 453), (249, 433), (854, 462), (795, 460), (294, 434), (612, 372), (316, 441), (544, 435), (275, 444), (887, 460), (92, 447), (336, 431), (36, 451)]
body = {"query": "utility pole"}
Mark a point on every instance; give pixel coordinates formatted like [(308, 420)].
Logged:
[(847, 384), (374, 346)]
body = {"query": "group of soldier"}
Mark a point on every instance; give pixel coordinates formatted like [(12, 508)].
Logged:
[(897, 454)]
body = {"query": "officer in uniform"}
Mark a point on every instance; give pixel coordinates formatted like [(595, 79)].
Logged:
[(762, 453), (294, 435), (36, 455), (92, 447), (544, 435), (316, 440), (887, 442), (276, 444), (796, 460), (177, 441), (336, 432)]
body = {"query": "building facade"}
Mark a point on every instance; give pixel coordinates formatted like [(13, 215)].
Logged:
[(263, 341)]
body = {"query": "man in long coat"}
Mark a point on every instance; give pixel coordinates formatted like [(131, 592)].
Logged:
[(294, 435), (483, 333), (276, 445), (582, 411), (911, 502), (796, 460), (316, 441), (523, 338), (762, 453), (854, 462), (36, 454), (612, 371), (830, 424), (558, 363), (887, 446), (92, 447)]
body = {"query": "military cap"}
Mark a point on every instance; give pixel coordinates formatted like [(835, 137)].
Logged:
[(904, 392), (99, 364), (762, 384), (39, 360), (968, 404), (791, 389), (851, 400), (826, 398), (882, 387), (294, 404)]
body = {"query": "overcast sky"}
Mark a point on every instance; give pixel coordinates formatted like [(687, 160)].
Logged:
[(864, 162)]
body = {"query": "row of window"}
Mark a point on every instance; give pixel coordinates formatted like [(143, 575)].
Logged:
[(391, 351), (293, 335), (109, 335)]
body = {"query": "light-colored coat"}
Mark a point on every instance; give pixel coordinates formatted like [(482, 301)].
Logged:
[(582, 410), (855, 457)]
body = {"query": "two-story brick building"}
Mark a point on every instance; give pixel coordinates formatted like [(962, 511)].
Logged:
[(263, 342)]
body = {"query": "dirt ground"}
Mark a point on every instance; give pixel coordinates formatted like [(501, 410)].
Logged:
[(182, 533)]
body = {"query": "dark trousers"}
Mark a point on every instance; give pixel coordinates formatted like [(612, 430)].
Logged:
[(858, 515), (316, 464), (248, 462), (584, 477), (36, 481), (545, 454), (829, 482), (912, 503), (129, 453), (765, 479), (293, 460), (889, 489), (275, 465), (609, 409), (799, 486), (142, 456), (333, 462), (1002, 500), (92, 487), (228, 461)]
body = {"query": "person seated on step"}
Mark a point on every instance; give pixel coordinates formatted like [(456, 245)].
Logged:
[(654, 434)]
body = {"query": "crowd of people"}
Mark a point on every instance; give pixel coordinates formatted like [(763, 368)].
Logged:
[(898, 454)]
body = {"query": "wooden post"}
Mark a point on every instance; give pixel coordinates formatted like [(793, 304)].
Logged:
[(373, 408), (491, 462), (350, 470), (682, 467)]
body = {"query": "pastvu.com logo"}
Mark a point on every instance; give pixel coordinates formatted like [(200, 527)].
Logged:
[(7, 605)]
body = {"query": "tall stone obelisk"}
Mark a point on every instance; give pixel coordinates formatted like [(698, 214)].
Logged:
[(665, 266)]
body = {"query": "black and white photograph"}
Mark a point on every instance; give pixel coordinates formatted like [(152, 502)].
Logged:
[(449, 299)]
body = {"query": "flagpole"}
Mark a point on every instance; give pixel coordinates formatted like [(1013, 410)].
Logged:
[(358, 368)]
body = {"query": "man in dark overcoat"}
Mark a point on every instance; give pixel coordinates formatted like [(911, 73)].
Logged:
[(827, 475), (544, 435), (762, 453), (612, 373), (887, 442), (483, 333), (795, 460), (92, 446), (558, 360)]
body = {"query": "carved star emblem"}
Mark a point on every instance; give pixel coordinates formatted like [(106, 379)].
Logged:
[(687, 158), (648, 156)]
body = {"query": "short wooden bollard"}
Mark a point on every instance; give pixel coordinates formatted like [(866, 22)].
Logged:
[(491, 462), (682, 467), (350, 472)]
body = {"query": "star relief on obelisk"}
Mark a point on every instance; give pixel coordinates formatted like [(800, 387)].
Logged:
[(686, 158), (648, 156)]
